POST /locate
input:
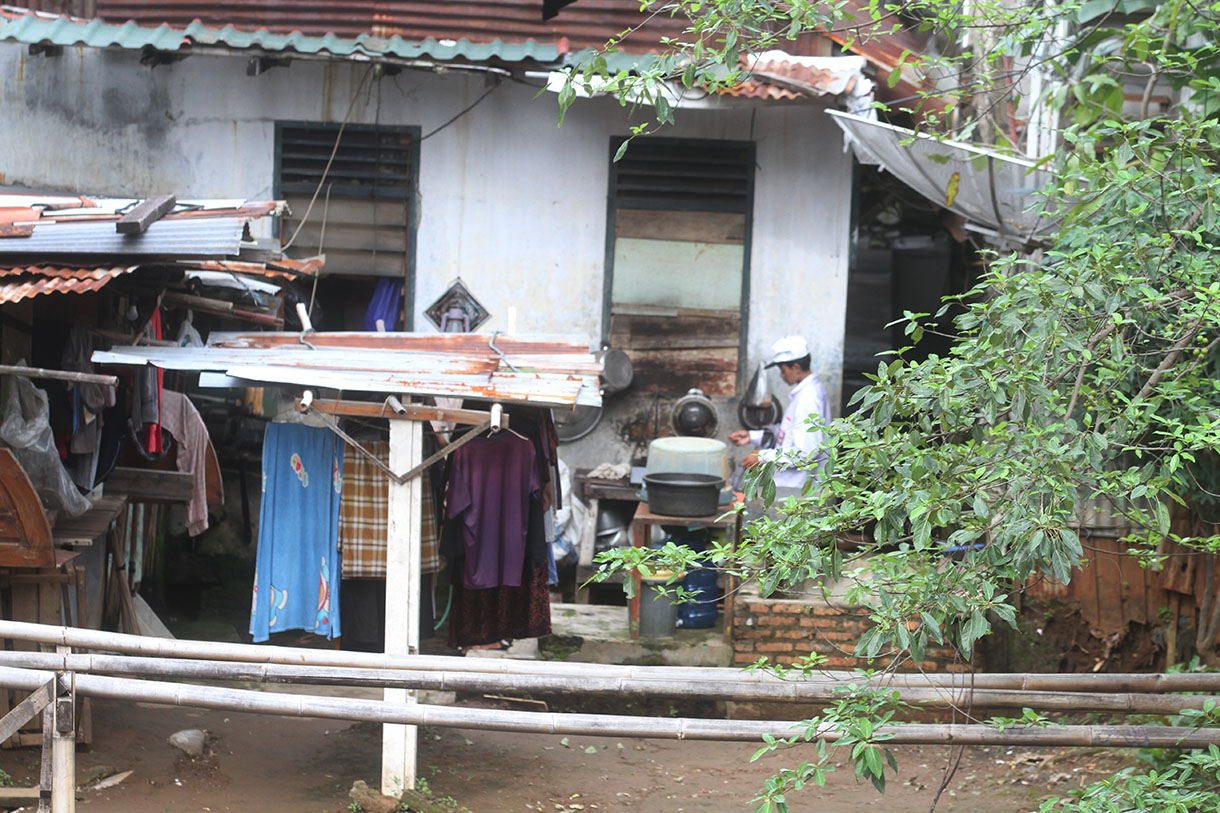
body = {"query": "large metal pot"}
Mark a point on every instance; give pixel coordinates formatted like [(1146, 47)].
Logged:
[(678, 494)]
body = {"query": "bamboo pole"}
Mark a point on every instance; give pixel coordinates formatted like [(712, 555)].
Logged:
[(601, 725), (61, 375), (260, 653), (793, 692)]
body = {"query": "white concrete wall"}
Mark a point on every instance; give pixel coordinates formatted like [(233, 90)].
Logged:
[(509, 201)]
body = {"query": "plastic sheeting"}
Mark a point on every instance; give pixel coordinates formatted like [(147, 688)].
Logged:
[(989, 189), (26, 429)]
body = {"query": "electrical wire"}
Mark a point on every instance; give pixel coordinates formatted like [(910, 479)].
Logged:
[(466, 110), (326, 170)]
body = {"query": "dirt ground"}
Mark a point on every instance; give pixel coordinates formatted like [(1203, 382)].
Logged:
[(260, 763)]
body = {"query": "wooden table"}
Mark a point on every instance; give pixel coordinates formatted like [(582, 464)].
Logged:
[(641, 525), (592, 492)]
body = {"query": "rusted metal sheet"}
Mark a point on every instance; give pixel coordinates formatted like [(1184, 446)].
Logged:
[(21, 283), (453, 365), (282, 267), (780, 78)]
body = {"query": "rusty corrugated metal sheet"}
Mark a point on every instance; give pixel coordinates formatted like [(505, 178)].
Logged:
[(779, 76), (464, 366), (23, 282), (586, 24)]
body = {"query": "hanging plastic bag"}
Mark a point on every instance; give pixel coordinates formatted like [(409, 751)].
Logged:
[(26, 429)]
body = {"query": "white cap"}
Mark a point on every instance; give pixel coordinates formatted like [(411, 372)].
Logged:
[(789, 348)]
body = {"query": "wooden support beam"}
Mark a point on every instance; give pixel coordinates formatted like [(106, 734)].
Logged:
[(145, 213), (403, 542), (410, 412), (150, 485), (24, 711)]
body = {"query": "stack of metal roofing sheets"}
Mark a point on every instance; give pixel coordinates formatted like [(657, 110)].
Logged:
[(557, 371)]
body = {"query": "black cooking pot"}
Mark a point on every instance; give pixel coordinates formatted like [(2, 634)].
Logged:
[(678, 494)]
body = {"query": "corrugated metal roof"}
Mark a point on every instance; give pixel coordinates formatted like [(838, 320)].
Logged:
[(17, 25), (781, 76), (199, 237), (586, 24), (466, 366), (21, 283)]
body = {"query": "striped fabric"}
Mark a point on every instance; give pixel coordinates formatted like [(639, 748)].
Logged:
[(364, 511)]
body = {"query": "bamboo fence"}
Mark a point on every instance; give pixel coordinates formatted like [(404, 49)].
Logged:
[(602, 725), (626, 688), (257, 653)]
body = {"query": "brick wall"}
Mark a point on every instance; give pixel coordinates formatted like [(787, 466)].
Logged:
[(784, 629)]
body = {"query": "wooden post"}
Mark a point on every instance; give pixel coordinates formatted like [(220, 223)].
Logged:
[(402, 586)]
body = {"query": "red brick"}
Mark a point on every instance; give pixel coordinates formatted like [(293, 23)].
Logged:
[(774, 646), (836, 635), (810, 622), (788, 608), (756, 607), (744, 657), (823, 609), (797, 635), (743, 646)]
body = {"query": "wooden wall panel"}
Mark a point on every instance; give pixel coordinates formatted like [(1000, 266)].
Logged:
[(689, 226)]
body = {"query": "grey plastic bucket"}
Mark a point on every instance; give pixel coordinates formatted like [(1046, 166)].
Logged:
[(658, 615)]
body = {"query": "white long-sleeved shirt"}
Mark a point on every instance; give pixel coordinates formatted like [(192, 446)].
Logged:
[(796, 440)]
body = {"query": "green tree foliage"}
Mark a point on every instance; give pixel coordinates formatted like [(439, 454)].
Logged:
[(1083, 370)]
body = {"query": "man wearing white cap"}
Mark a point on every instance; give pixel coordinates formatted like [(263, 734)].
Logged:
[(795, 440)]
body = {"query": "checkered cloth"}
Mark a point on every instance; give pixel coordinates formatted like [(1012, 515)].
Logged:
[(364, 514)]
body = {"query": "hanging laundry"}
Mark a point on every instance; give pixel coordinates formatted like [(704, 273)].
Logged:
[(491, 483), (384, 305), (182, 420), (480, 617), (296, 574), (364, 515)]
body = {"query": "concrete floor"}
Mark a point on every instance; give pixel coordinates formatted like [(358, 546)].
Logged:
[(594, 633)]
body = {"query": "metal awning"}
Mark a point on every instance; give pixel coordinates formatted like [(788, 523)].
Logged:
[(997, 191), (556, 371)]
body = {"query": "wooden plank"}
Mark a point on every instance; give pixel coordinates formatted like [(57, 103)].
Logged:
[(640, 332), (25, 608), (145, 213), (370, 409), (696, 227), (1135, 596), (127, 610), (26, 710), (403, 542), (147, 485), (91, 525), (1110, 616), (674, 372)]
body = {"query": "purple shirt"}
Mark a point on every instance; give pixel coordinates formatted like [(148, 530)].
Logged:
[(490, 483)]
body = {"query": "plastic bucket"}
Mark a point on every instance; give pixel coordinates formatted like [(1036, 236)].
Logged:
[(658, 615)]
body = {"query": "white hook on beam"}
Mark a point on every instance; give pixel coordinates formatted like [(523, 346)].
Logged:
[(306, 401), (497, 417)]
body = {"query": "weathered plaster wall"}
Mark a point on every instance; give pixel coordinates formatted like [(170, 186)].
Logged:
[(509, 201)]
